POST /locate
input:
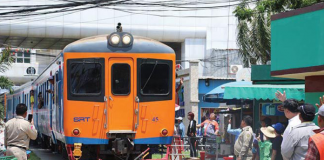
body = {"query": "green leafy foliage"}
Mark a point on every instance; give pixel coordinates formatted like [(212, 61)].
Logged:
[(2, 109), (6, 59), (5, 83), (254, 26)]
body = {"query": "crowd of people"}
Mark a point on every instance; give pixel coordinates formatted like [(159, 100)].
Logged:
[(301, 139)]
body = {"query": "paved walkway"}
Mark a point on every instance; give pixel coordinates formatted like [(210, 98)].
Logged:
[(46, 154)]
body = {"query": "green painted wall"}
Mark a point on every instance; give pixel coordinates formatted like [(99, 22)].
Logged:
[(297, 41), (313, 98), (261, 74)]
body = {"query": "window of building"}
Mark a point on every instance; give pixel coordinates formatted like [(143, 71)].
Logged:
[(22, 57), (120, 79)]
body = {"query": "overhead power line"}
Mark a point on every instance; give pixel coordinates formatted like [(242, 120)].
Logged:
[(22, 11)]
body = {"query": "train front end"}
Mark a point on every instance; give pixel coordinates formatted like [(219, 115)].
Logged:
[(119, 95)]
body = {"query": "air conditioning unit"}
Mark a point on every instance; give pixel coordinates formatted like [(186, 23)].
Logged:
[(235, 68)]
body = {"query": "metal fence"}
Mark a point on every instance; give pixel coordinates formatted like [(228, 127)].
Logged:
[(193, 148)]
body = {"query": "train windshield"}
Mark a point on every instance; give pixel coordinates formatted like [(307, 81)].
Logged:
[(155, 78), (85, 78)]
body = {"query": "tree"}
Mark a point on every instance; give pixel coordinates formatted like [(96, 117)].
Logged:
[(6, 60), (254, 26), (2, 110)]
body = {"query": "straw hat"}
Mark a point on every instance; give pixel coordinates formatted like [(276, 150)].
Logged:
[(268, 131)]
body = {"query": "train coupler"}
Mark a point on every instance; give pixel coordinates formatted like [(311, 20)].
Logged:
[(77, 153)]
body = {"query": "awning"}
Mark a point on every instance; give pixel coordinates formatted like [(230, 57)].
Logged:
[(217, 94), (264, 92)]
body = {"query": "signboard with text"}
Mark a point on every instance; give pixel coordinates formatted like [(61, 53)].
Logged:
[(272, 109)]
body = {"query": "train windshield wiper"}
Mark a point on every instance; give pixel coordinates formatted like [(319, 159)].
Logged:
[(156, 62)]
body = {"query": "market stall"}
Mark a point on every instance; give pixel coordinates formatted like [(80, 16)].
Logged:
[(233, 109), (265, 101), (258, 101)]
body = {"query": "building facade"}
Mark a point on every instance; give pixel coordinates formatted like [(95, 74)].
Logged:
[(28, 64), (297, 48), (194, 34)]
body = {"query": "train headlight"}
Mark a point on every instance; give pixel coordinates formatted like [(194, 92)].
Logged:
[(120, 39), (127, 39), (114, 39)]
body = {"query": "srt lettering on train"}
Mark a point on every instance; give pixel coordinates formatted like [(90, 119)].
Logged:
[(81, 119)]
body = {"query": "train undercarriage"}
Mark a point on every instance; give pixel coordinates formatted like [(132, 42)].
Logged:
[(120, 147)]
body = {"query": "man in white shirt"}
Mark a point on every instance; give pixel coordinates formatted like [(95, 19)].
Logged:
[(298, 138), (292, 113), (18, 133)]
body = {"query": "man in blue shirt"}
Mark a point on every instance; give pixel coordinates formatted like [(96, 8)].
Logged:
[(235, 132), (181, 127)]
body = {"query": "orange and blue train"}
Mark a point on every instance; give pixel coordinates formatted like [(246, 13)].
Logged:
[(103, 97)]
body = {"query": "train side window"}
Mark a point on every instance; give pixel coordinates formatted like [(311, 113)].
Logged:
[(56, 76), (45, 93), (154, 79), (27, 100), (86, 79), (120, 83)]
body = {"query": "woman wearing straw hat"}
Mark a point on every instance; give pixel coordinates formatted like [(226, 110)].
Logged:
[(266, 145)]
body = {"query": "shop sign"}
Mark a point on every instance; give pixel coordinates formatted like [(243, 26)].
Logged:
[(272, 109)]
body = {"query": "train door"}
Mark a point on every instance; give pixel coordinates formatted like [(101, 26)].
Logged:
[(120, 95)]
